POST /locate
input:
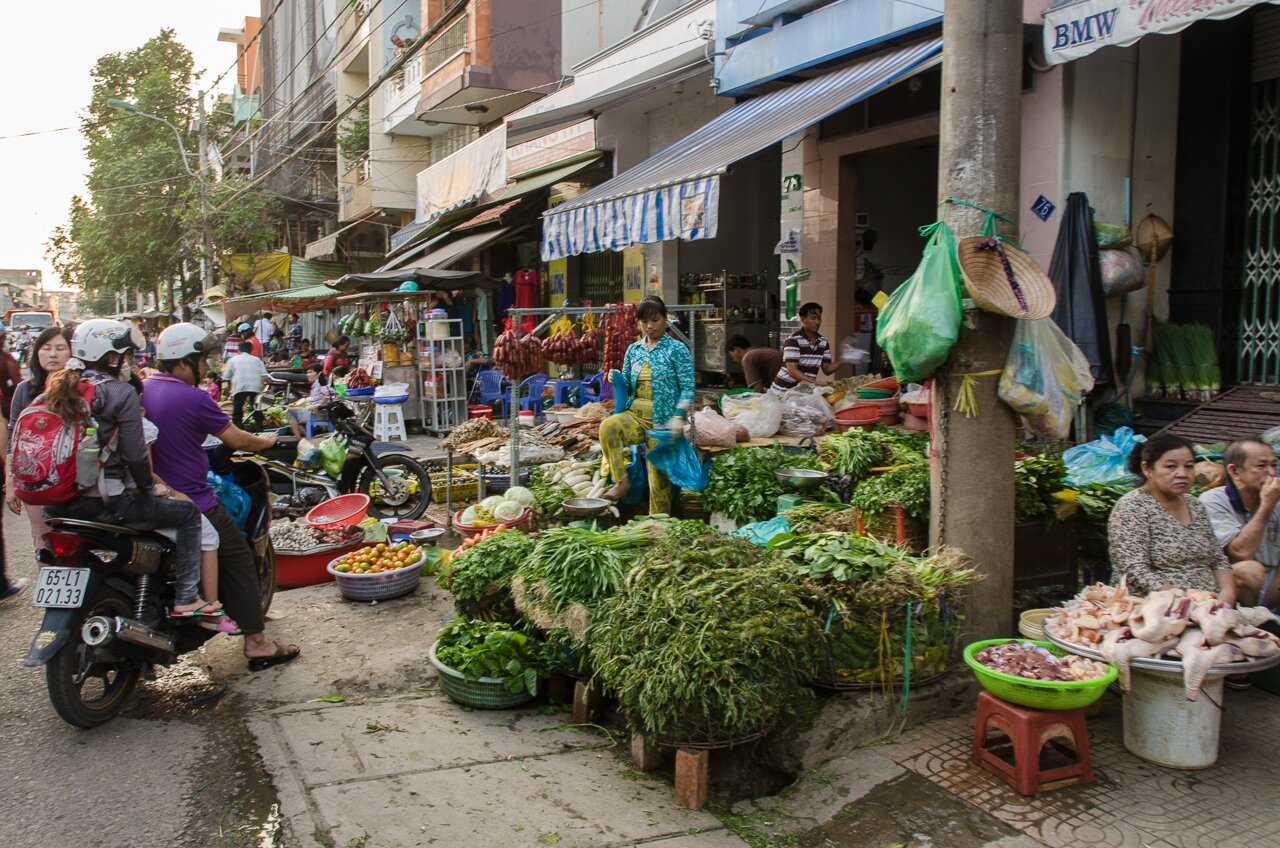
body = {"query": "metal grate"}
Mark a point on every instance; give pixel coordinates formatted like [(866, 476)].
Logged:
[(1260, 304), (601, 277)]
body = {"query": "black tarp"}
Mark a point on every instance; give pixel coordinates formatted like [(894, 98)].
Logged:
[(428, 279), (1081, 311)]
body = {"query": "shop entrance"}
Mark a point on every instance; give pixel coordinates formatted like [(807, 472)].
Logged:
[(894, 192)]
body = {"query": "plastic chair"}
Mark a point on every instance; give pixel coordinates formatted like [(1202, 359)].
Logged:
[(490, 386), (595, 389), (532, 402), (563, 390)]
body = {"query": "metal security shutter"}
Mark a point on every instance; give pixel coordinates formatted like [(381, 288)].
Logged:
[(1266, 44), (1259, 360), (600, 277)]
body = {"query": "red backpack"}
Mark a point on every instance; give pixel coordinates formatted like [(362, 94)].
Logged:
[(45, 450)]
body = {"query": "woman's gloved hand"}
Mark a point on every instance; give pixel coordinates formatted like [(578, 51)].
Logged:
[(676, 425)]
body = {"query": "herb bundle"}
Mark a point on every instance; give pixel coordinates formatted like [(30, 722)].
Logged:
[(1037, 479), (480, 578), (906, 485), (742, 483), (708, 642), (493, 649)]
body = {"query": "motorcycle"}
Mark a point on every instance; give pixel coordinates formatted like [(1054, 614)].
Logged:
[(398, 486), (106, 591)]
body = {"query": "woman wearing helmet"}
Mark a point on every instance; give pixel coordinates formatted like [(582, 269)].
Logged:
[(101, 352), (186, 416)]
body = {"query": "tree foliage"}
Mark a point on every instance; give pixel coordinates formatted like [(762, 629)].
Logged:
[(143, 211)]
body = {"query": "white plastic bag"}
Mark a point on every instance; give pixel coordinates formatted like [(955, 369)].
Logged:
[(1122, 271), (1045, 377), (760, 414), (713, 430), (805, 412)]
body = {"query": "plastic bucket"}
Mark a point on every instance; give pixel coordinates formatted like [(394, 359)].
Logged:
[(1161, 726), (860, 413), (480, 411)]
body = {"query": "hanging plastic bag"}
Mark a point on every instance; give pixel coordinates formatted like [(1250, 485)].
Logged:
[(711, 429), (1122, 271), (920, 324), (1045, 377), (1104, 460), (805, 412), (760, 414), (333, 455), (678, 461)]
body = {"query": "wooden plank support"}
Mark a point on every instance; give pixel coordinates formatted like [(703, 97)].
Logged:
[(645, 756), (691, 778)]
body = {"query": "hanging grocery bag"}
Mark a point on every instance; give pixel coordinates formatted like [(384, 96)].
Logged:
[(1045, 377), (920, 324)]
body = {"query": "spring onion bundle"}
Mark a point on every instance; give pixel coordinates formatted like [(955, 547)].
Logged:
[(1184, 365)]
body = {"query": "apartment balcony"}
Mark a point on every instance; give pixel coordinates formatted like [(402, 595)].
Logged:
[(479, 66), (353, 37), (355, 190)]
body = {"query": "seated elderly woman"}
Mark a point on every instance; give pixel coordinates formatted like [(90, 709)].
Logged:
[(1160, 536)]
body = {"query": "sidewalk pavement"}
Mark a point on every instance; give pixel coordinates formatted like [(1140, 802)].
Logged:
[(396, 763)]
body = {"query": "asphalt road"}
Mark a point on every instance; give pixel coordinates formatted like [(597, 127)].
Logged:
[(177, 768)]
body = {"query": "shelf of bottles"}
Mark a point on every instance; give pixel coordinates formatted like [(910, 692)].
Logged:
[(739, 302)]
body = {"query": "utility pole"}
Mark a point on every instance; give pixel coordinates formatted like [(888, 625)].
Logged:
[(206, 239), (979, 149)]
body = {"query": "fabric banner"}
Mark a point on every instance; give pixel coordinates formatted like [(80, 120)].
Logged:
[(1076, 28), (463, 177), (687, 210)]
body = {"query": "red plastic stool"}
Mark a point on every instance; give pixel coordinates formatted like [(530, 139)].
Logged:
[(1026, 733)]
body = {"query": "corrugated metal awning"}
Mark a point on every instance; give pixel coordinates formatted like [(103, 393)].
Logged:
[(675, 193)]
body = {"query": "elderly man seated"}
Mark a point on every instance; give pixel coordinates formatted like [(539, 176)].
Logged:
[(1246, 521)]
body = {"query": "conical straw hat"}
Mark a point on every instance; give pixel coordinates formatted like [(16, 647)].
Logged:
[(1154, 233), (989, 284)]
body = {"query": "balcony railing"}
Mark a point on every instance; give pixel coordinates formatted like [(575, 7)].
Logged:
[(357, 171), (406, 83)]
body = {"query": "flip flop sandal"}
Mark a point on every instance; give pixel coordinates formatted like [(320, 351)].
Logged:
[(205, 610), (280, 657)]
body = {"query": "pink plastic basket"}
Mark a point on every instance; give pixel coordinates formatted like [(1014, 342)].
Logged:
[(339, 512)]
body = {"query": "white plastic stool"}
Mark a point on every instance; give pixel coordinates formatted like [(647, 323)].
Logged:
[(388, 422)]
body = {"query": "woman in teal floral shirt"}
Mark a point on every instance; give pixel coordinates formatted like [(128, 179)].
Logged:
[(658, 375)]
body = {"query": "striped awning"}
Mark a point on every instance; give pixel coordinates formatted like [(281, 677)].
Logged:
[(676, 192)]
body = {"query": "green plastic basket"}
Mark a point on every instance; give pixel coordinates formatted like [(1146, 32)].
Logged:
[(1037, 694), (484, 693)]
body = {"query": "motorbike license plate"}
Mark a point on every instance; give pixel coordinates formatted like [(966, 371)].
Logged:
[(60, 587)]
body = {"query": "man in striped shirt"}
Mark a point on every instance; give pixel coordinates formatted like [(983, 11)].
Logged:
[(805, 352)]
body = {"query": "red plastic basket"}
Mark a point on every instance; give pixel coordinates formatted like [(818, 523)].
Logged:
[(339, 512)]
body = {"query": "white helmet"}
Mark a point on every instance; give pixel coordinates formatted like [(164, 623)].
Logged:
[(178, 341), (94, 339)]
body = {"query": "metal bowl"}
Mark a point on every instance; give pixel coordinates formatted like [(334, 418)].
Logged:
[(801, 478), (429, 536), (586, 507)]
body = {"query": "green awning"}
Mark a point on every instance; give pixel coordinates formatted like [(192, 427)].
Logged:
[(302, 299), (310, 272)]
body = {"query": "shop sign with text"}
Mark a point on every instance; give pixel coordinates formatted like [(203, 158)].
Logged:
[(1079, 27)]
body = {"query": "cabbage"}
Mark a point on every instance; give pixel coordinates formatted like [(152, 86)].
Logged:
[(508, 511), (491, 502), (469, 516), (520, 495), (478, 516)]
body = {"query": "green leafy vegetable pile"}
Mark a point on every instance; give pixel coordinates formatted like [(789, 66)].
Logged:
[(906, 485), (1037, 479), (742, 483), (710, 641), (480, 578), (852, 453), (493, 649)]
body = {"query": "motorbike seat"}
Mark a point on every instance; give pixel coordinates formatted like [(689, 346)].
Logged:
[(380, 448), (73, 524)]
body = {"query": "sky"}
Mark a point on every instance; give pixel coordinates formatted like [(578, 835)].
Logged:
[(47, 84)]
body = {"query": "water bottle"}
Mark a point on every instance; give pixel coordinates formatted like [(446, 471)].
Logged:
[(87, 459)]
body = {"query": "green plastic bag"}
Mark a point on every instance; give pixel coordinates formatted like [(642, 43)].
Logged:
[(333, 455), (920, 324)]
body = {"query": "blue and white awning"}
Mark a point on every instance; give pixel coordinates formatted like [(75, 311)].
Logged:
[(676, 193)]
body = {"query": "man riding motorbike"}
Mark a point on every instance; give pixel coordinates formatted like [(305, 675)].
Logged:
[(186, 416)]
